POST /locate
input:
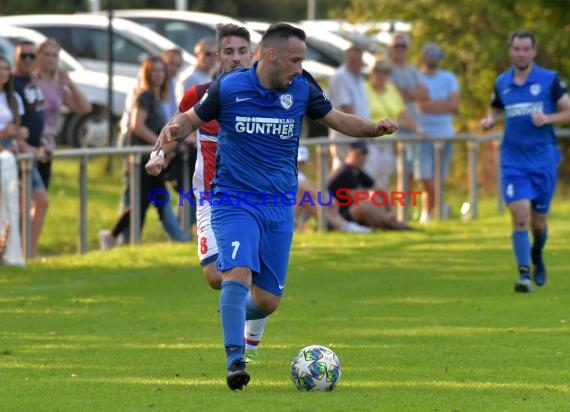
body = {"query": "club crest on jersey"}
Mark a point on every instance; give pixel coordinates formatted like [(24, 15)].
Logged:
[(286, 101), (535, 89)]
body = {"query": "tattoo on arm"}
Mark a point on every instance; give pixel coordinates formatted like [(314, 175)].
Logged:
[(185, 125)]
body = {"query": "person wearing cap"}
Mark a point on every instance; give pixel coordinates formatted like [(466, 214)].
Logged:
[(407, 79), (385, 101), (351, 177), (533, 99), (435, 119), (305, 210)]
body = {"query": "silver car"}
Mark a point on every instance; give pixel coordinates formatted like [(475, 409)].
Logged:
[(77, 130)]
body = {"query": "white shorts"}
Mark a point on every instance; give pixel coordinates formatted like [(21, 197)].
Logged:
[(207, 246)]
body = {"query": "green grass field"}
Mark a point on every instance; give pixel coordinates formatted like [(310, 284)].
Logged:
[(422, 321)]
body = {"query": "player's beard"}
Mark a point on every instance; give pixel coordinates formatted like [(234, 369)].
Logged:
[(280, 82), (522, 67)]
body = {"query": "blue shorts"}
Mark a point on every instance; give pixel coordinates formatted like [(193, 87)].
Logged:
[(424, 160), (409, 148), (37, 181), (534, 185), (258, 237)]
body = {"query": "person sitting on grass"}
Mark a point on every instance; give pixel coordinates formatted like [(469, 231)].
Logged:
[(350, 177), (307, 209)]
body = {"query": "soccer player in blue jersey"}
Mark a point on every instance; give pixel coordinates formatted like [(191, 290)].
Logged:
[(533, 99), (260, 111)]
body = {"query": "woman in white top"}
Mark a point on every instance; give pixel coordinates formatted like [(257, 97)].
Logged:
[(11, 108)]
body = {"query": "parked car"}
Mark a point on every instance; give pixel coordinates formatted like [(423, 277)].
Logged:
[(185, 28), (88, 130), (324, 47), (86, 37)]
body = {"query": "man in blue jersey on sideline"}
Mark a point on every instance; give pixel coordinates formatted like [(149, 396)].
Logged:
[(260, 111), (533, 99)]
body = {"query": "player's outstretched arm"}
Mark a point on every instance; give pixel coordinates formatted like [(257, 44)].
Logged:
[(352, 125), (180, 126)]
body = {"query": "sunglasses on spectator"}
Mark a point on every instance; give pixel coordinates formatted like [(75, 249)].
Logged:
[(30, 56), (209, 54), (400, 46)]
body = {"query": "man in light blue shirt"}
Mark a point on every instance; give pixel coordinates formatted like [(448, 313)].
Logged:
[(435, 119)]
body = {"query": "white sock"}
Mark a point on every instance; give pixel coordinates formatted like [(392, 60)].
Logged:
[(253, 332)]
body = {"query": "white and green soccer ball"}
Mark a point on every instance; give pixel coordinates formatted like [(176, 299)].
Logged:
[(315, 368)]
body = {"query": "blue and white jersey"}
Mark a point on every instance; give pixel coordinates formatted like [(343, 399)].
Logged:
[(259, 130), (526, 146)]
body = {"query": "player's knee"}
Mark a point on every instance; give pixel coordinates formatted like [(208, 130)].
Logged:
[(268, 305), (213, 277), (521, 221), (267, 302), (538, 225)]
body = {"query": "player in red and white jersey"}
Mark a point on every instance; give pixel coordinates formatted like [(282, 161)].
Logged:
[(233, 51)]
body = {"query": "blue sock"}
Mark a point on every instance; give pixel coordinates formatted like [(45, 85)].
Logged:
[(232, 312), (539, 241), (521, 246), (251, 309)]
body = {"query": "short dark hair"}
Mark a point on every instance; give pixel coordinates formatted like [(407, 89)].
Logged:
[(522, 34), (359, 146), (21, 43), (282, 31), (229, 30)]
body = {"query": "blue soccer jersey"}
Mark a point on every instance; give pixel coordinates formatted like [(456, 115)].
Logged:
[(526, 146), (259, 130)]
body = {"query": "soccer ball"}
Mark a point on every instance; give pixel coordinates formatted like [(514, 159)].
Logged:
[(315, 368)]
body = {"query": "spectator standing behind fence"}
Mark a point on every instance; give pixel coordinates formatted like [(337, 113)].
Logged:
[(533, 99), (172, 59), (385, 101), (351, 177), (347, 94), (435, 119), (206, 52), (147, 119), (307, 208), (26, 85), (58, 90), (408, 80), (11, 109)]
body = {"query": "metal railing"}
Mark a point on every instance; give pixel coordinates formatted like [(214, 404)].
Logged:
[(134, 153)]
